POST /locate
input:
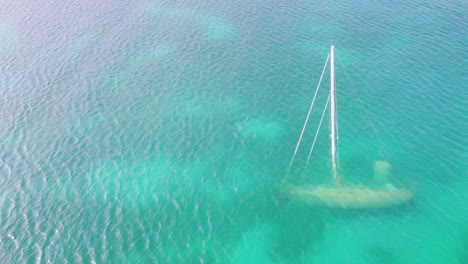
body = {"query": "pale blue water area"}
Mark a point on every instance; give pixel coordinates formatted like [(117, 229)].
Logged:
[(160, 131)]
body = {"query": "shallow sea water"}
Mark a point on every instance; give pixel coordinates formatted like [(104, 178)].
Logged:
[(159, 131)]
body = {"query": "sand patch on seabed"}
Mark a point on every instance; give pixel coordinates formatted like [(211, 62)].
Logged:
[(213, 27), (128, 69), (144, 184), (204, 246), (83, 43), (193, 104), (260, 130), (154, 54)]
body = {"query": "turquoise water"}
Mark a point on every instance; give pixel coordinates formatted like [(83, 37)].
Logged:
[(158, 132)]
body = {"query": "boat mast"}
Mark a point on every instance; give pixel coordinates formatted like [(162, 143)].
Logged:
[(336, 177)]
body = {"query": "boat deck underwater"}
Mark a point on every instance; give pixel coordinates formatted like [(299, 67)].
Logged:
[(350, 197)]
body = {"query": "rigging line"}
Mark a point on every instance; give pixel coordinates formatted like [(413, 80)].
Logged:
[(337, 146), (318, 130), (308, 116), (337, 134), (363, 109)]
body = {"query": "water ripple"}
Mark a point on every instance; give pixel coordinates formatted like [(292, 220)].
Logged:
[(158, 133)]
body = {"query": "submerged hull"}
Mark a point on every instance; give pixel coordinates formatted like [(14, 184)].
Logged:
[(350, 197)]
